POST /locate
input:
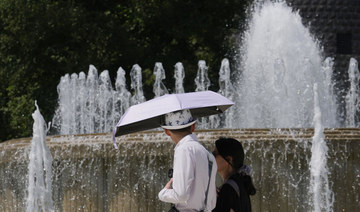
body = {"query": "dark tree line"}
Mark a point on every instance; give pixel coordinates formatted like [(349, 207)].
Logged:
[(42, 40)]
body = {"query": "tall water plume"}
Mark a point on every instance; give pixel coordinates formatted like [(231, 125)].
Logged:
[(159, 87), (202, 83), (353, 96), (92, 85), (179, 75), (105, 101), (121, 96), (226, 89), (281, 67), (202, 80), (80, 106), (328, 69), (62, 116), (89, 104), (39, 188), (136, 85), (319, 187), (280, 63)]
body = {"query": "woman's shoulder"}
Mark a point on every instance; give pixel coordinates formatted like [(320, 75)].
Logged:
[(237, 178), (228, 190), (244, 182)]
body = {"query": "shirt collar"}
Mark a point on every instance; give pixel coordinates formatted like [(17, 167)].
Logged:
[(190, 137)]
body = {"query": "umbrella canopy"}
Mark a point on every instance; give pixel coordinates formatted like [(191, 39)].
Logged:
[(149, 114)]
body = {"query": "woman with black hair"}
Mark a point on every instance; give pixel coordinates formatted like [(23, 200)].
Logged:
[(234, 194)]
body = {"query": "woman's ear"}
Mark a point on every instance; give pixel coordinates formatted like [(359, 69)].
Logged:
[(229, 159)]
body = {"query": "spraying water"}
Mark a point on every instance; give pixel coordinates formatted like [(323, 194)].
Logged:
[(159, 87), (202, 83), (62, 116), (328, 69), (281, 61), (225, 86), (136, 85), (121, 96), (105, 102), (92, 85), (80, 107), (226, 89), (39, 196), (280, 65), (90, 104), (353, 97), (179, 75), (202, 79), (319, 182)]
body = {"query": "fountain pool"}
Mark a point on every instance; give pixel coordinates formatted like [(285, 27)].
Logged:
[(274, 119)]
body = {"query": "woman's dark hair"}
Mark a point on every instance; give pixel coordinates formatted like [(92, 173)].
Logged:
[(248, 184), (231, 147)]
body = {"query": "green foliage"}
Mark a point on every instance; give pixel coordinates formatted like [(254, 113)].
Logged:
[(40, 41)]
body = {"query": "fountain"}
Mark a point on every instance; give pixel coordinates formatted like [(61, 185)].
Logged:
[(136, 85), (353, 98), (179, 75), (121, 96), (159, 87), (285, 116), (105, 101), (202, 80), (39, 196), (280, 63), (202, 83), (319, 182), (226, 89)]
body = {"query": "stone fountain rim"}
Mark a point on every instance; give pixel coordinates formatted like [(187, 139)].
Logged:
[(244, 133)]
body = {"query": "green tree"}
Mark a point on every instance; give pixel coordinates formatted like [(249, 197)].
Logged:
[(40, 41)]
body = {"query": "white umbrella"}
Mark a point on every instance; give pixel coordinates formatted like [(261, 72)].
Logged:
[(149, 114)]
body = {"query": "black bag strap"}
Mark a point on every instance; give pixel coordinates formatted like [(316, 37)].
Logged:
[(207, 189), (234, 185)]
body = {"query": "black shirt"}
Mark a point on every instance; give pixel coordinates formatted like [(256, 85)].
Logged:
[(228, 197)]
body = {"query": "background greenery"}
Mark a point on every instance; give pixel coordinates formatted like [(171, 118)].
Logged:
[(42, 40)]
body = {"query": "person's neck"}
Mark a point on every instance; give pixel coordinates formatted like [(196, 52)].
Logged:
[(226, 174), (177, 137)]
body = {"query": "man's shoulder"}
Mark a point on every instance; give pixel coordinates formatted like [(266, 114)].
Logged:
[(192, 146), (192, 143)]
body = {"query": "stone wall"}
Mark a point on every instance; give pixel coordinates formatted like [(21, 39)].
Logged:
[(89, 174)]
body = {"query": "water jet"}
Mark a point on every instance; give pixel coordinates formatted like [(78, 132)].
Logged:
[(273, 118)]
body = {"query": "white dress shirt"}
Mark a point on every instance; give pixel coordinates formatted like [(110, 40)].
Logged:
[(191, 177)]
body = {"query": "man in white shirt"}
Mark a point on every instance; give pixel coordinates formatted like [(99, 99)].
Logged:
[(192, 187)]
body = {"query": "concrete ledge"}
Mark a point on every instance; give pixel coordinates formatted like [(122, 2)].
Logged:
[(89, 174)]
